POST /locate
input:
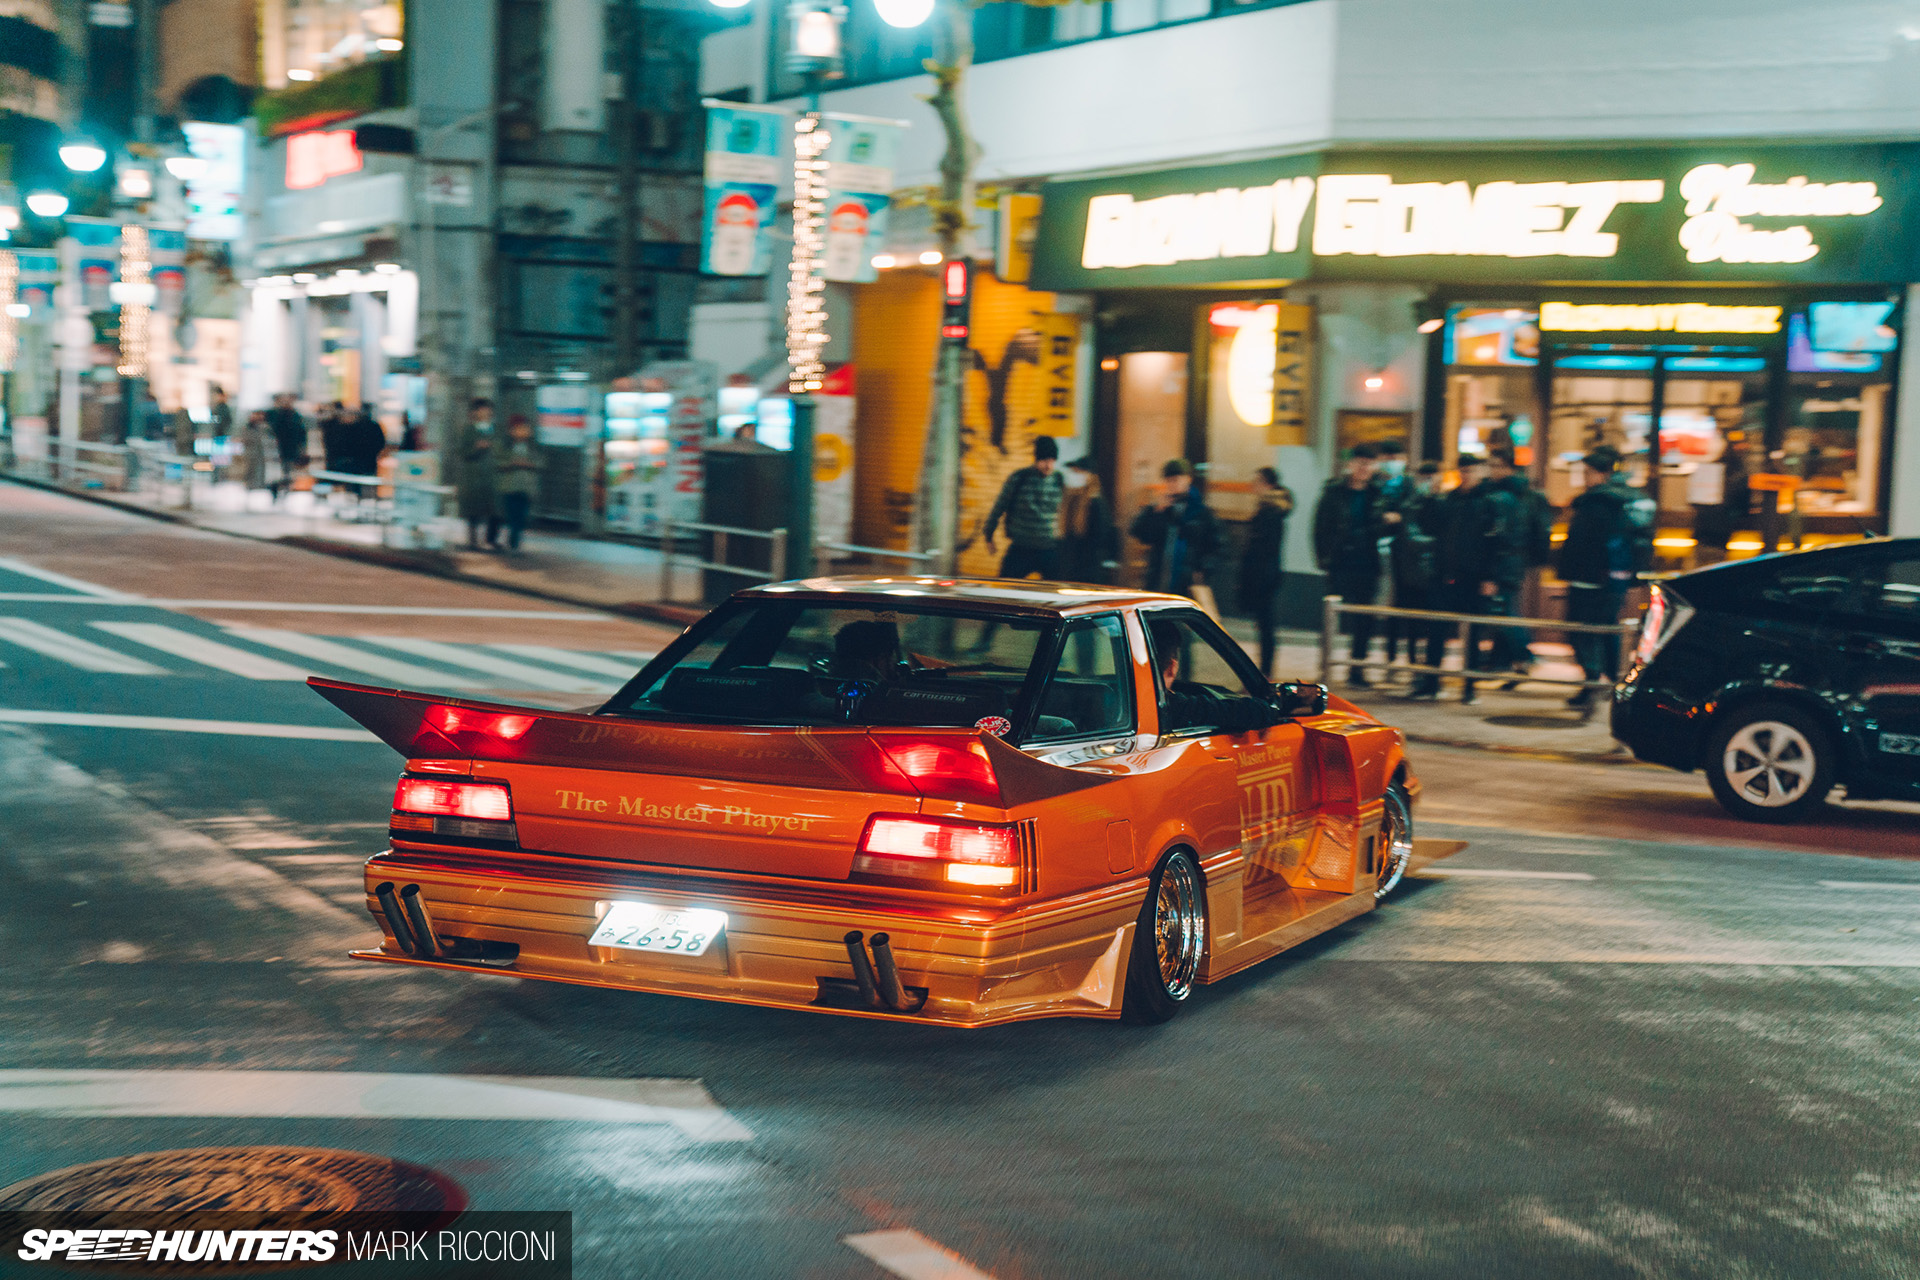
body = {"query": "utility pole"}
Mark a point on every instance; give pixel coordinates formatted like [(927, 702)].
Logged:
[(630, 46), (937, 513)]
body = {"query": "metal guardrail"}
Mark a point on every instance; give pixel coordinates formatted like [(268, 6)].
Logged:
[(1467, 625), (670, 529), (855, 549)]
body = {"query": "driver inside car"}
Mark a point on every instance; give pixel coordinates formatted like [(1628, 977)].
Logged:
[(1183, 706)]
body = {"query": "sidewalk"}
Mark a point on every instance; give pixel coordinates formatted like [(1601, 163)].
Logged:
[(624, 577)]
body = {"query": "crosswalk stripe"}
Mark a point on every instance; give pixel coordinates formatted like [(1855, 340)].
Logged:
[(72, 650), (211, 653), (592, 662), (684, 1104), (26, 570), (174, 724), (912, 1256), (348, 658), (518, 673)]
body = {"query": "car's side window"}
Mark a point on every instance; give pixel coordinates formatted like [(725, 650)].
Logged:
[(1895, 593), (1194, 659), (1819, 583), (1090, 693)]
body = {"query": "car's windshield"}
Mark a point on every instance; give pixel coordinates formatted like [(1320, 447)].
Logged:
[(783, 662)]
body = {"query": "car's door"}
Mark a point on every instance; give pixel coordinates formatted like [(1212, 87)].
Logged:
[(1086, 718), (1261, 775), (1878, 633)]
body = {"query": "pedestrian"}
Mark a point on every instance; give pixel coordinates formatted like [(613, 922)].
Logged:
[(1395, 483), (334, 420), (518, 472), (1473, 558), (183, 432), (290, 437), (1609, 541), (1179, 531), (1029, 501), (409, 434), (255, 443), (219, 412), (1530, 540), (1089, 542), (1348, 523), (1410, 563), (1260, 558), (474, 488)]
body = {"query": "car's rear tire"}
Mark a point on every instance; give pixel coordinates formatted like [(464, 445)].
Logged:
[(1168, 943), (1769, 762), (1396, 841)]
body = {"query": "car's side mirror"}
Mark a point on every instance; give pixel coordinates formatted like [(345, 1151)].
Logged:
[(1298, 699)]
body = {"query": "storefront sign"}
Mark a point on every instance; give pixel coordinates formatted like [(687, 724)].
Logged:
[(1657, 317), (1292, 363), (1052, 408), (312, 158), (1748, 214)]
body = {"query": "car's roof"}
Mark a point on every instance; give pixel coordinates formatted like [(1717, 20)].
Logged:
[(1736, 568), (1007, 593)]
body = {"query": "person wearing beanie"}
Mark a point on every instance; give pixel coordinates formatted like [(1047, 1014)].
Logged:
[(1029, 502)]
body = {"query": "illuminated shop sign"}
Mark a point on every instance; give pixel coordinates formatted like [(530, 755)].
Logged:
[(1657, 317), (1752, 213), (312, 158)]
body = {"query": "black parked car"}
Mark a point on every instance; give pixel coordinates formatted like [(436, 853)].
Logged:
[(1782, 676)]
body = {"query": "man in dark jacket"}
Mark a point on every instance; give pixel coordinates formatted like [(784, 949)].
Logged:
[(1609, 535), (1260, 560), (1348, 524), (1530, 543), (1179, 531), (289, 434), (1089, 543), (1030, 503), (1410, 556), (1474, 554)]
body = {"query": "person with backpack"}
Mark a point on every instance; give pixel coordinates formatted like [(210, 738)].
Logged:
[(1030, 503), (1529, 542), (1609, 541)]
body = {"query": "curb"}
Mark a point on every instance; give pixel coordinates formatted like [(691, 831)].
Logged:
[(103, 499), (1530, 753)]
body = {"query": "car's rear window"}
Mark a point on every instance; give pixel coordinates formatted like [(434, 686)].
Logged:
[(805, 663)]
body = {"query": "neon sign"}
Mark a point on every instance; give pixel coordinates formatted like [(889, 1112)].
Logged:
[(312, 158), (1719, 195), (1233, 222), (1658, 317), (1370, 213)]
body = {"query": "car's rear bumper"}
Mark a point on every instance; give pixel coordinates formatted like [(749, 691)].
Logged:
[(781, 947), (1655, 725)]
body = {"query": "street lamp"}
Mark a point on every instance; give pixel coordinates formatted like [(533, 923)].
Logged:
[(187, 167), (47, 204), (82, 156), (903, 13)]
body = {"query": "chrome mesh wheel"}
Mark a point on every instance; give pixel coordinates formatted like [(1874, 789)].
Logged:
[(1396, 842), (1179, 926)]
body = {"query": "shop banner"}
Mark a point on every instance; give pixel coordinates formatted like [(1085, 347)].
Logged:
[(742, 179), (99, 246), (562, 416), (167, 255), (1292, 367), (860, 161), (39, 272)]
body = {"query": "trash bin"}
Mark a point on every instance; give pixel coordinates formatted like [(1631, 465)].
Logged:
[(747, 489)]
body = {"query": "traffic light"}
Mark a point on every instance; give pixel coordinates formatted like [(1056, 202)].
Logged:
[(957, 298)]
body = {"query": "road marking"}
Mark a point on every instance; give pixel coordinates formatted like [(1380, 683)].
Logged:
[(348, 658), (210, 653), (912, 1256), (1869, 884), (522, 675), (169, 724), (1487, 873), (74, 651), (593, 662), (93, 589), (684, 1104), (303, 606)]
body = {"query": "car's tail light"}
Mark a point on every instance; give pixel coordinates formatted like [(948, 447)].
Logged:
[(453, 809), (1666, 614), (950, 767), (972, 854), (508, 726)]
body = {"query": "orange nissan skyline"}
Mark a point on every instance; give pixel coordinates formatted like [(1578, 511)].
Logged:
[(963, 802)]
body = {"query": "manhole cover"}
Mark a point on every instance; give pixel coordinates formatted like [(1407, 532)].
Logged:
[(239, 1180), (1536, 722)]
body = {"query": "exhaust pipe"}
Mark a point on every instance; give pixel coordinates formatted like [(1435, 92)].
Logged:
[(416, 910), (862, 970), (396, 921), (889, 975)]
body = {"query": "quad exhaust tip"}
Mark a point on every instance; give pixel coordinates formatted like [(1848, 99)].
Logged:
[(406, 914), (396, 919)]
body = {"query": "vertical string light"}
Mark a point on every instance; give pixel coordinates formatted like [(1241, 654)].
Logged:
[(136, 272), (806, 282), (9, 323)]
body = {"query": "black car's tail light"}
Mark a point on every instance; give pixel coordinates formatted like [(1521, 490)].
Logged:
[(1666, 614)]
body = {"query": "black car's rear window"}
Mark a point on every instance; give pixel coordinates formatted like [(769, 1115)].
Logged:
[(807, 663)]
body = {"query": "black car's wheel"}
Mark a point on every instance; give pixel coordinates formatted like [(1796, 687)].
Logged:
[(1169, 942), (1396, 842), (1769, 762)]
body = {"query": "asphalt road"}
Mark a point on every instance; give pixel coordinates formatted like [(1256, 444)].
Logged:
[(1617, 1036)]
